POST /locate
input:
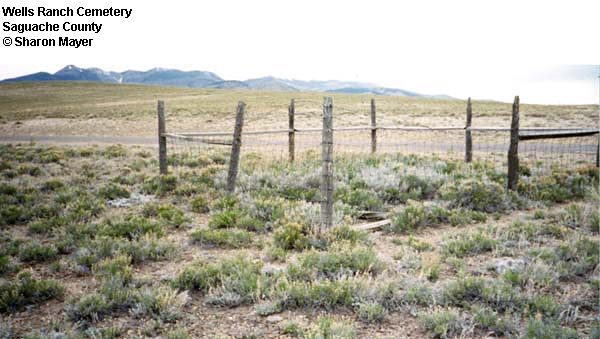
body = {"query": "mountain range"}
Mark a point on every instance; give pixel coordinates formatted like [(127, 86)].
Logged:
[(204, 79)]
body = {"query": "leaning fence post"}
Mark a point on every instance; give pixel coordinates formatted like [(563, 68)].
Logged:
[(162, 139), (513, 150), (236, 145), (292, 132), (373, 127), (327, 172), (468, 138)]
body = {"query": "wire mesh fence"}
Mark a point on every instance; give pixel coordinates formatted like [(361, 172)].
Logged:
[(490, 145)]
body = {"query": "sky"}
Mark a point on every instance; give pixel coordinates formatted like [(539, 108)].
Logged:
[(482, 49)]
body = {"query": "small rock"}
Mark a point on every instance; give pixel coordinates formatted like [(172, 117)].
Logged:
[(271, 269), (134, 199), (274, 318)]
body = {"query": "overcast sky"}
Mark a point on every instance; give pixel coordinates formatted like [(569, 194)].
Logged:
[(482, 49)]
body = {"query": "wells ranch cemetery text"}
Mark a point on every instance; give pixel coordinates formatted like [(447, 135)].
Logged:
[(11, 26)]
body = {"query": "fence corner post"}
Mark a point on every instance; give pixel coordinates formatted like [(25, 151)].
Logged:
[(236, 146), (468, 137), (327, 170), (373, 127), (162, 139), (513, 150), (292, 132)]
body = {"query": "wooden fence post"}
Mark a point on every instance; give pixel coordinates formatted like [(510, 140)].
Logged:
[(468, 138), (513, 150), (373, 127), (327, 173), (236, 146), (162, 139), (292, 133), (598, 152)]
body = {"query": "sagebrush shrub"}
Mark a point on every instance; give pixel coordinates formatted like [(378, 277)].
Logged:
[(231, 238), (417, 214), (27, 290), (476, 194)]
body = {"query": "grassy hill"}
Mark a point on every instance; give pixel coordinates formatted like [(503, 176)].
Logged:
[(30, 101)]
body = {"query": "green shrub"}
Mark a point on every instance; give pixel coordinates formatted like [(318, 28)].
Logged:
[(84, 209), (539, 329), (45, 226), (464, 217), (202, 275), (227, 202), (89, 308), (371, 312), (27, 291), (52, 185), (544, 305), (178, 333), (31, 170), (478, 195), (490, 321), (200, 204), (417, 294), (6, 265), (578, 257), (8, 189), (416, 215), (498, 296), (267, 209), (337, 261), (432, 272), (113, 191), (231, 238), (161, 303), (291, 236), (327, 327), (35, 252), (560, 186), (225, 219), (168, 214), (347, 234), (114, 151), (363, 199), (160, 185), (292, 329), (469, 244), (114, 268), (131, 227), (329, 294), (443, 323), (148, 247), (12, 215)]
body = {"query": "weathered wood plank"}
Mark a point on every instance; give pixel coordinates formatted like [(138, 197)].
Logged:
[(513, 150), (372, 226), (373, 127), (327, 168), (468, 137), (291, 134), (236, 147), (162, 140)]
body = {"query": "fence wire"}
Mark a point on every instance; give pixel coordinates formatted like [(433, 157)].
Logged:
[(489, 146), (535, 156)]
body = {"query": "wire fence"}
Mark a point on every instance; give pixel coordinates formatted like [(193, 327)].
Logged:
[(489, 144)]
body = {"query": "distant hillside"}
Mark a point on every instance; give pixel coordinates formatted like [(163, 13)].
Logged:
[(204, 79)]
